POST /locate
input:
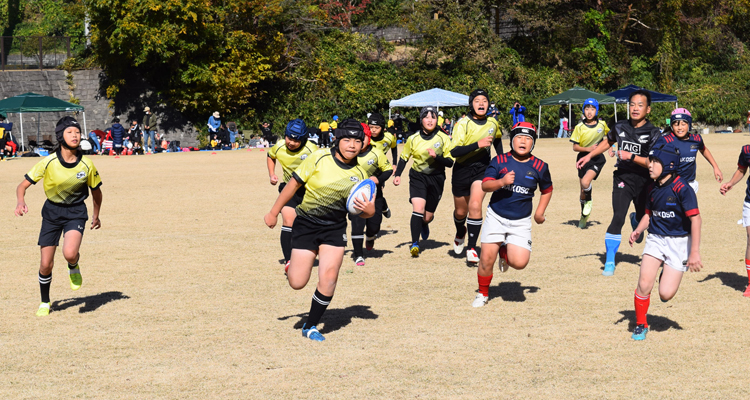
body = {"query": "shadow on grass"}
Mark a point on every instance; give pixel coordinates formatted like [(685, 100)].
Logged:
[(655, 322), (428, 244), (511, 291), (729, 279), (336, 318), (621, 258), (315, 262), (90, 303), (574, 222), (384, 232)]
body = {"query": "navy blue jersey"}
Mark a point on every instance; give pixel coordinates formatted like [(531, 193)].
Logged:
[(670, 206), (689, 148), (743, 163), (514, 201)]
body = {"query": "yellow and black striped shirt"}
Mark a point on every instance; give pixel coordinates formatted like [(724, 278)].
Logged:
[(469, 131), (373, 162), (328, 182), (290, 159), (416, 147), (65, 183)]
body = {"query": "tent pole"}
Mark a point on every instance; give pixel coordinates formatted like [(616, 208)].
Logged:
[(539, 124), (22, 146), (570, 118), (85, 132), (615, 112)]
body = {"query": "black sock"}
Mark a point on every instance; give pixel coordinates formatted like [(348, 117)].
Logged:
[(460, 226), (357, 242), (474, 226), (416, 226), (74, 266), (45, 281), (286, 242), (587, 194), (582, 203), (317, 308)]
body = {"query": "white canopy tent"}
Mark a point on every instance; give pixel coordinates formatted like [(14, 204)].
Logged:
[(433, 97)]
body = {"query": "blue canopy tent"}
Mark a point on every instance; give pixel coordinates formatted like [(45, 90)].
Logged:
[(621, 96), (433, 97)]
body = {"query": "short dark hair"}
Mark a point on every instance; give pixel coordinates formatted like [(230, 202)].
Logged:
[(641, 92)]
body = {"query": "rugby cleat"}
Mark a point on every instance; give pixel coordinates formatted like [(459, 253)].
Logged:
[(312, 334), (634, 224), (414, 250), (471, 256), (458, 245), (609, 269), (503, 263), (747, 291), (425, 231), (369, 242), (75, 278), (639, 333), (43, 310), (587, 206), (584, 220), (387, 213), (360, 261), (480, 300)]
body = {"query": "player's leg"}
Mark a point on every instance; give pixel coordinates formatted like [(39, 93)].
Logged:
[(639, 202), (372, 225), (669, 282), (328, 275), (586, 188), (518, 256), (288, 215), (300, 267), (676, 251), (434, 186), (46, 264), (71, 251), (386, 209), (484, 272), (747, 261), (417, 220), (622, 195), (358, 239), (474, 222), (460, 213), (642, 297)]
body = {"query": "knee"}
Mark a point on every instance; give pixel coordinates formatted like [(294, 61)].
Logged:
[(296, 284), (666, 295), (644, 287), (45, 268), (429, 218), (71, 255)]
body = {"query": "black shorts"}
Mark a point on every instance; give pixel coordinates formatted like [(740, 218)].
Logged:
[(309, 235), (596, 164), (58, 219), (428, 187), (296, 199), (464, 177)]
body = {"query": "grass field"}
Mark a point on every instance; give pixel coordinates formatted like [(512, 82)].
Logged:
[(184, 297)]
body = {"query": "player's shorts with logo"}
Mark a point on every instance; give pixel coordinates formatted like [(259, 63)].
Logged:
[(596, 164), (746, 214), (497, 229), (464, 176), (673, 250), (296, 199), (58, 219), (694, 185), (428, 187), (308, 235)]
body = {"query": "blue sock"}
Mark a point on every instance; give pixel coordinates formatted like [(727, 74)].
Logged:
[(612, 243)]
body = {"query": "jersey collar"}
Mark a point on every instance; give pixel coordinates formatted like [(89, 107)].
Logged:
[(66, 164), (341, 164)]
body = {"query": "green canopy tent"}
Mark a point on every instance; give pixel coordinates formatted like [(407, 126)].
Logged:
[(577, 95), (35, 103)]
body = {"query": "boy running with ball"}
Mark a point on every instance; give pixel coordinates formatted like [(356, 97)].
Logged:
[(512, 178)]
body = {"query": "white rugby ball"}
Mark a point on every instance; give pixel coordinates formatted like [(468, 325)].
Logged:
[(366, 187)]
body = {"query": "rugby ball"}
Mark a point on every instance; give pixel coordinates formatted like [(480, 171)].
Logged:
[(366, 187)]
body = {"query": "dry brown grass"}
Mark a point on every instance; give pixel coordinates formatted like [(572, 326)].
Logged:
[(184, 297)]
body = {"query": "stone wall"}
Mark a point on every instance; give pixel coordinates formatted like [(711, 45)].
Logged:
[(88, 87)]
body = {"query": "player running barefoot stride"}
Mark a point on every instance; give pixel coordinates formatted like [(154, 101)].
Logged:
[(512, 178), (320, 226), (674, 225), (68, 175), (471, 142), (290, 152), (586, 136), (742, 164), (430, 148)]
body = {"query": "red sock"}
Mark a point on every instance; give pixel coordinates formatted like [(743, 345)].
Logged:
[(641, 308), (747, 267), (484, 284)]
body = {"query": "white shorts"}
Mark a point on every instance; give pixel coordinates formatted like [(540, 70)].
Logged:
[(694, 185), (746, 215), (497, 229), (673, 250)]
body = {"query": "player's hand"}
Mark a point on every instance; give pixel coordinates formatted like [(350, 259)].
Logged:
[(96, 223), (583, 161), (539, 218), (396, 181), (694, 262), (393, 167), (270, 220), (633, 237), (431, 152), (485, 142), (21, 209), (509, 178), (723, 189), (717, 174), (365, 205), (374, 179), (624, 155), (274, 179), (611, 152)]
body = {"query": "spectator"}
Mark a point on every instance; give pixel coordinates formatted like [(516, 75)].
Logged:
[(441, 120), (214, 123), (232, 129), (149, 130), (134, 133), (95, 144), (562, 113), (748, 120), (518, 112), (335, 122), (266, 130), (492, 111), (118, 134), (324, 128), (447, 127)]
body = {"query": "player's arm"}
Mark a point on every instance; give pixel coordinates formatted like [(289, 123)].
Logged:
[(21, 207), (271, 164), (96, 195), (599, 149), (366, 206), (710, 158), (498, 145), (542, 207), (490, 183), (394, 154), (640, 228), (694, 259), (291, 187), (736, 177), (385, 170)]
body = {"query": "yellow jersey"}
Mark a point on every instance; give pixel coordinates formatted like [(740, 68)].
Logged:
[(328, 182), (385, 142), (65, 183), (290, 159), (469, 131), (588, 135), (416, 147), (373, 161)]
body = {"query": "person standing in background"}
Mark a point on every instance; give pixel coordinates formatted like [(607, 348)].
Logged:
[(518, 112), (149, 129)]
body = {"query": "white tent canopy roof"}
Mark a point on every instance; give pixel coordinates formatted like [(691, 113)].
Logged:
[(433, 97)]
